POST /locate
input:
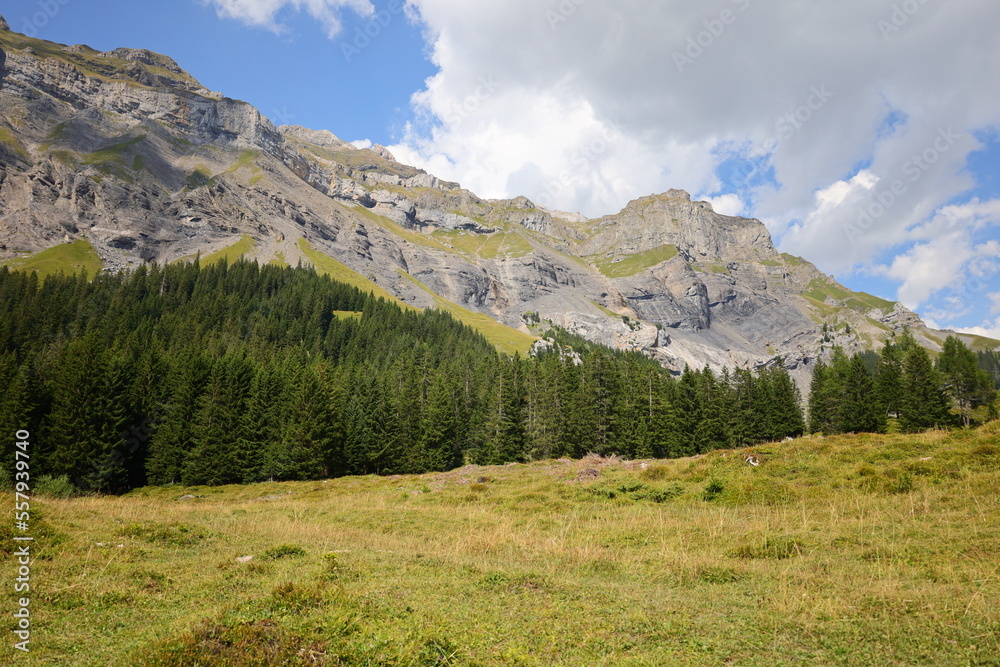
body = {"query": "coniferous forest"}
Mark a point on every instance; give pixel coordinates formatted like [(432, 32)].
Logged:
[(903, 386), (241, 373)]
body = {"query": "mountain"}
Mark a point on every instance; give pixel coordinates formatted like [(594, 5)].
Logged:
[(113, 159)]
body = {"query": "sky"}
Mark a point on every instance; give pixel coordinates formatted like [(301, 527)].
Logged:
[(864, 133)]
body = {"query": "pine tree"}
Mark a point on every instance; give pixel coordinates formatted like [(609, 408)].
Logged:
[(860, 412), (965, 383), (786, 403), (214, 455), (889, 380), (925, 404)]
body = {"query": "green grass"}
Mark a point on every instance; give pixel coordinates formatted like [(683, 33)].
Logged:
[(279, 260), (8, 139), (499, 245), (65, 258), (247, 160), (417, 238), (870, 550), (348, 314), (329, 266), (636, 263), (197, 178), (607, 311), (244, 246), (981, 343), (505, 339), (792, 260), (112, 152), (820, 290), (91, 63), (710, 267)]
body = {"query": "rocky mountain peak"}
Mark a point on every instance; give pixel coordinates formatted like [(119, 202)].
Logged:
[(324, 138), (3, 23), (693, 228), (383, 152), (146, 57), (126, 153)]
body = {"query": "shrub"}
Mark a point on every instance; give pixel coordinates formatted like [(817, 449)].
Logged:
[(55, 487), (284, 551), (713, 490)]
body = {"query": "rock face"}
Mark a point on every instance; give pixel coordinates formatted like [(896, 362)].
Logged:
[(127, 150)]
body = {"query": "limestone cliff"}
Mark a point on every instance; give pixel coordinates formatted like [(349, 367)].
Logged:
[(128, 151)]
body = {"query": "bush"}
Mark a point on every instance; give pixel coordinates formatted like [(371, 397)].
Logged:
[(713, 490), (284, 551), (55, 487)]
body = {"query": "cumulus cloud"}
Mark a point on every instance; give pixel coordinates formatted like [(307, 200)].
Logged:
[(845, 126), (988, 329), (524, 88), (264, 13), (729, 204), (947, 257)]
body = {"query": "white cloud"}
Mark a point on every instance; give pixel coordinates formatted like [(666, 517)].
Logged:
[(729, 204), (586, 104), (362, 143), (995, 298), (264, 13), (523, 87), (949, 259), (988, 329)]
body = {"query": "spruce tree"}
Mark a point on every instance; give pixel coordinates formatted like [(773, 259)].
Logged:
[(925, 404), (889, 381), (965, 383), (860, 412)]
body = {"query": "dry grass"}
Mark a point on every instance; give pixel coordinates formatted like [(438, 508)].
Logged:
[(846, 550)]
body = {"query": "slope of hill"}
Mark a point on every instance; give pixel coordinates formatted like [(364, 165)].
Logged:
[(126, 151), (842, 550)]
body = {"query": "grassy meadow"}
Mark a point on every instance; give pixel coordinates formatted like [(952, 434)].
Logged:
[(847, 550)]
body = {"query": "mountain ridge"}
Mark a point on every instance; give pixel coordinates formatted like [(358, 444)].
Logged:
[(127, 151)]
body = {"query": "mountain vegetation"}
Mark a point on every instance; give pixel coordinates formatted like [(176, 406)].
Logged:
[(837, 550), (901, 387), (242, 373)]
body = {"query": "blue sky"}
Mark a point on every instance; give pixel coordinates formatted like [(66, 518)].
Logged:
[(864, 133)]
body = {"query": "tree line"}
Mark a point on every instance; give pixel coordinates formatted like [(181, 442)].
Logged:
[(240, 373), (903, 385)]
